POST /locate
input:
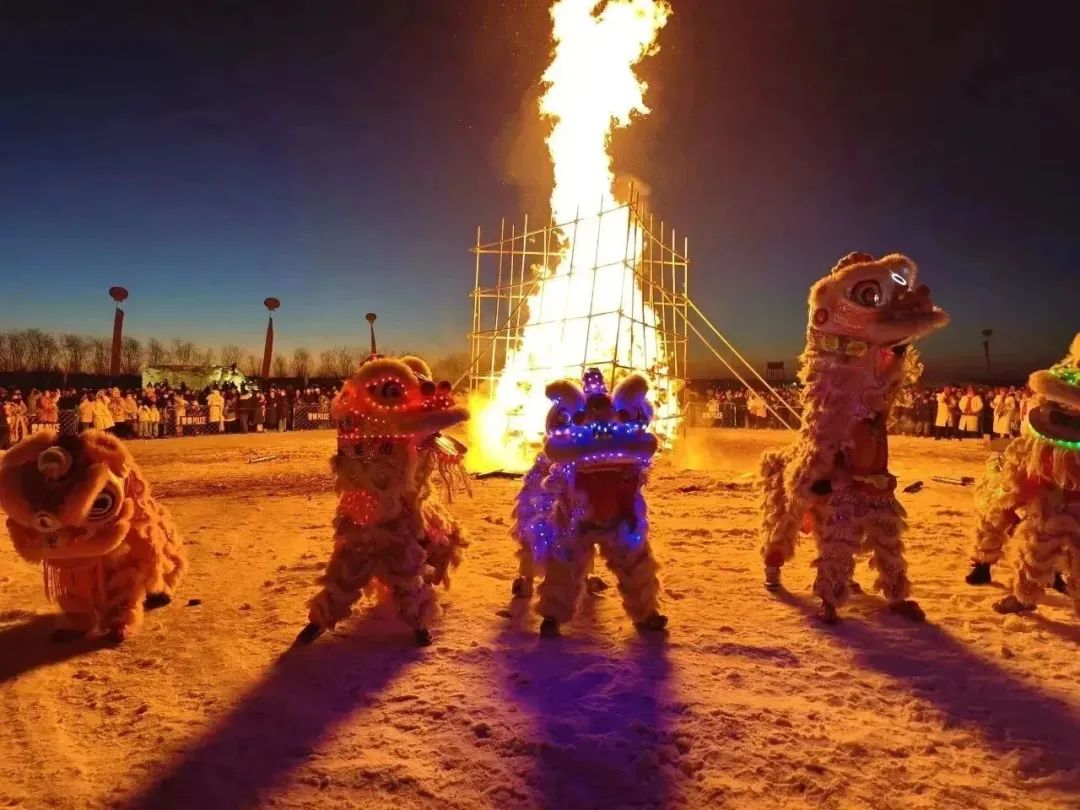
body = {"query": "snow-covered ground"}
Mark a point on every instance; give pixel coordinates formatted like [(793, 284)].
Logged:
[(748, 703)]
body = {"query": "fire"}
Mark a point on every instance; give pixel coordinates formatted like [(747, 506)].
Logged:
[(574, 313)]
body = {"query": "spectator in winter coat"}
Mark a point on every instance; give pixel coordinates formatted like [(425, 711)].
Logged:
[(925, 409), (144, 420), (944, 423), (215, 404), (86, 412), (244, 407), (18, 429), (5, 435), (971, 408), (32, 403), (180, 406), (154, 419), (103, 418), (49, 408), (1005, 405), (258, 413)]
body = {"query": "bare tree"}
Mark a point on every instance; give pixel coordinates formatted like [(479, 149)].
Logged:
[(451, 367), (73, 353), (100, 355), (156, 353), (327, 363), (131, 355), (14, 347), (41, 350), (301, 364), (206, 357), (231, 355), (251, 366), (183, 352), (281, 366)]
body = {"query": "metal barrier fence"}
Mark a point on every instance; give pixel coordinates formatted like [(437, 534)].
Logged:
[(727, 415), (195, 421)]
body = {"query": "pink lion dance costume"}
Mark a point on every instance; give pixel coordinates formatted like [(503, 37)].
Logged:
[(387, 528), (1032, 494), (583, 493), (834, 482), (79, 505)]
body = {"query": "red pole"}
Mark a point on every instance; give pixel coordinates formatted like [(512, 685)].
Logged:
[(268, 351), (117, 338)]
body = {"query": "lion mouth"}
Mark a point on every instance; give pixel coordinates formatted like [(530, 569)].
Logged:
[(1056, 423)]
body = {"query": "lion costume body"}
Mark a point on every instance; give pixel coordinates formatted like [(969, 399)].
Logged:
[(1032, 494), (834, 482), (388, 529), (584, 493), (80, 506)]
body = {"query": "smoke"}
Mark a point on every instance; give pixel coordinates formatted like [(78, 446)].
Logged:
[(522, 153)]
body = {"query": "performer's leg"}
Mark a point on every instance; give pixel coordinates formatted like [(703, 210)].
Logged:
[(347, 573), (630, 558), (564, 580), (837, 535), (1038, 551), (884, 529), (523, 585)]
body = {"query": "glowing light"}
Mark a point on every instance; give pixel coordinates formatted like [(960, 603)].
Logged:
[(899, 279), (574, 314), (1062, 443)]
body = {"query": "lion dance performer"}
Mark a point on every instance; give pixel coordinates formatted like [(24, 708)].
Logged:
[(390, 535), (1032, 493), (583, 493), (80, 506), (834, 482)]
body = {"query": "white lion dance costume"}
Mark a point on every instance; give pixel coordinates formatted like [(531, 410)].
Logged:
[(834, 482), (80, 506), (388, 530), (1032, 494), (584, 493)]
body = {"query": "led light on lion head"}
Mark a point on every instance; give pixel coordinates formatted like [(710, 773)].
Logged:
[(866, 302), (589, 428), (1056, 417), (392, 400)]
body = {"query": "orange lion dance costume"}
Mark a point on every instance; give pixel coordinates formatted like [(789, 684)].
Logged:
[(834, 482), (1032, 494), (583, 493), (387, 528), (80, 506)]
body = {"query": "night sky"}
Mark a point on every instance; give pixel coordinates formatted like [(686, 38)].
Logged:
[(339, 156)]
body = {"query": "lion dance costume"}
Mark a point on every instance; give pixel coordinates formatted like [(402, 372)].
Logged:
[(583, 493), (1032, 494), (834, 482), (390, 535), (80, 506)]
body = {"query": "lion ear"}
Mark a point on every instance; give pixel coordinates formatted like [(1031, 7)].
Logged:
[(417, 365), (567, 393)]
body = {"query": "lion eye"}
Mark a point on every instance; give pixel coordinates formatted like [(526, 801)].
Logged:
[(103, 505), (391, 390), (867, 293), (562, 417)]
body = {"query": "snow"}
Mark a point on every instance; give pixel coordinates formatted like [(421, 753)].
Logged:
[(748, 703)]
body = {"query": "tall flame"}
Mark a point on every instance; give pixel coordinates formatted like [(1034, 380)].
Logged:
[(574, 313)]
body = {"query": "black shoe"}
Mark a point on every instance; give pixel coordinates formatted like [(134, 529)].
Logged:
[(909, 609), (518, 588), (1010, 604), (652, 623), (309, 633), (855, 587), (156, 600), (422, 636), (1059, 584), (549, 628), (979, 575)]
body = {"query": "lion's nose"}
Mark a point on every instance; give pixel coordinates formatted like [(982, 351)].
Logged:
[(46, 522)]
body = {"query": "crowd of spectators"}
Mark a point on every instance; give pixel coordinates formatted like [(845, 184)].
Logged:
[(943, 413), (159, 411)]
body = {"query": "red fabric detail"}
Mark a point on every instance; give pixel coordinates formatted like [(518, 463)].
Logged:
[(611, 493)]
